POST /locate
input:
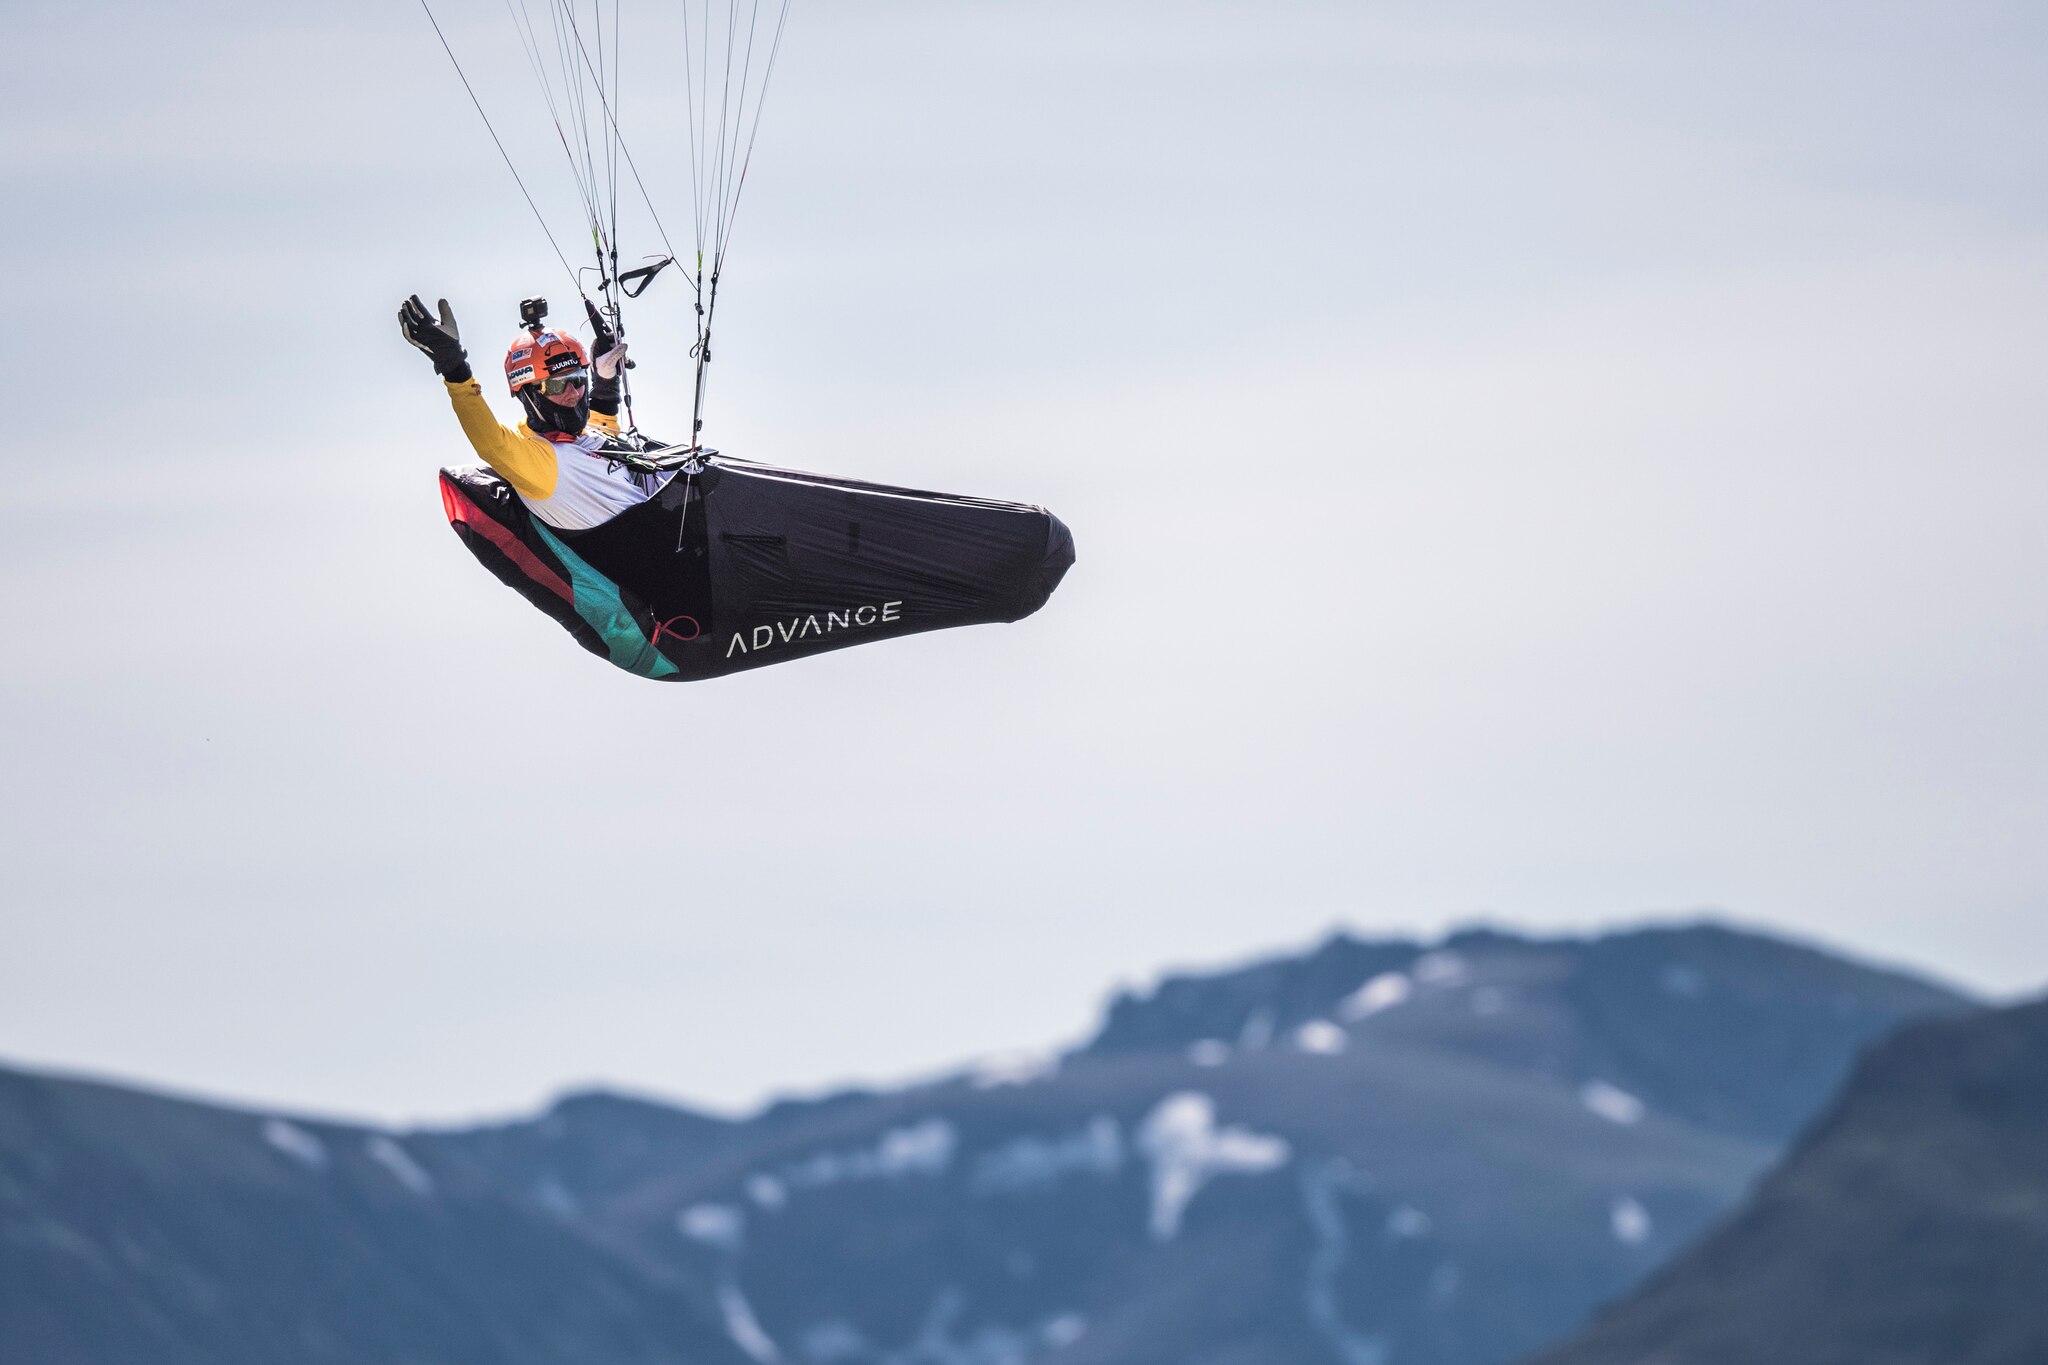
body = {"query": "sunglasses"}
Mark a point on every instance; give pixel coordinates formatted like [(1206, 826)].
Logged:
[(562, 383)]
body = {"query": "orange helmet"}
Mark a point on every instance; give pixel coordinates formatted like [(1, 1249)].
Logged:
[(536, 356)]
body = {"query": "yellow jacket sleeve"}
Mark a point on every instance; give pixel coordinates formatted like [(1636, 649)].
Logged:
[(522, 459)]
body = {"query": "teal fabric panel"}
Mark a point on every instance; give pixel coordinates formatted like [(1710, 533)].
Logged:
[(598, 602)]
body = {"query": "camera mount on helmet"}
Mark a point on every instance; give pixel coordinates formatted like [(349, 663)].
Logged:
[(532, 313)]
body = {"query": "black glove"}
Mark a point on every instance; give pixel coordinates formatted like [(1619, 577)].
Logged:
[(607, 358), (603, 341), (441, 342), (601, 338)]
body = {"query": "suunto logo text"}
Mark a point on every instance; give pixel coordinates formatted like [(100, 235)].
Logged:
[(797, 627)]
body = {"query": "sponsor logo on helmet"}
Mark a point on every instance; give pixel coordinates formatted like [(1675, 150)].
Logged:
[(520, 375)]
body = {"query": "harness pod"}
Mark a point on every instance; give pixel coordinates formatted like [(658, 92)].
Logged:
[(736, 565)]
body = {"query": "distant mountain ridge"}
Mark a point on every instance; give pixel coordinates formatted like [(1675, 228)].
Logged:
[(1475, 1157), (1649, 1010), (1387, 1153), (1909, 1226)]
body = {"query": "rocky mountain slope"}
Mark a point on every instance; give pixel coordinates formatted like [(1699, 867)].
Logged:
[(1375, 1153), (1909, 1227)]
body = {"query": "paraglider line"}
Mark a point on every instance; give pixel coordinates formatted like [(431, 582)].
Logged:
[(606, 103), (753, 134), (461, 75)]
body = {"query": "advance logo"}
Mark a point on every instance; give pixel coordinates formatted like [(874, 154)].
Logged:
[(797, 627)]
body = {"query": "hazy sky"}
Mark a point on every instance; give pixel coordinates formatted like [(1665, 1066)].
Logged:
[(1555, 464)]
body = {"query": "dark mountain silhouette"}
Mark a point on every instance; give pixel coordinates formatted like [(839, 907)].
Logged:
[(135, 1228), (1909, 1227), (1371, 1154)]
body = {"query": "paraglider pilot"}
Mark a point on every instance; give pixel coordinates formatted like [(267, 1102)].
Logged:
[(556, 459)]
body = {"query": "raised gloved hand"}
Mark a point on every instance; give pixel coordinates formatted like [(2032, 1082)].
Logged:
[(607, 352), (440, 341), (607, 364)]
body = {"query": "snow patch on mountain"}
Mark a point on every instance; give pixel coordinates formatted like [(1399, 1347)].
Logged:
[(1442, 969), (1383, 992), (1015, 1068), (741, 1324), (767, 1191), (923, 1148), (1611, 1102), (1187, 1150), (387, 1153), (1630, 1222), (939, 1340), (1034, 1163), (1406, 1222), (721, 1226), (1321, 1037), (296, 1143), (1320, 1186), (1064, 1330), (1209, 1052)]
